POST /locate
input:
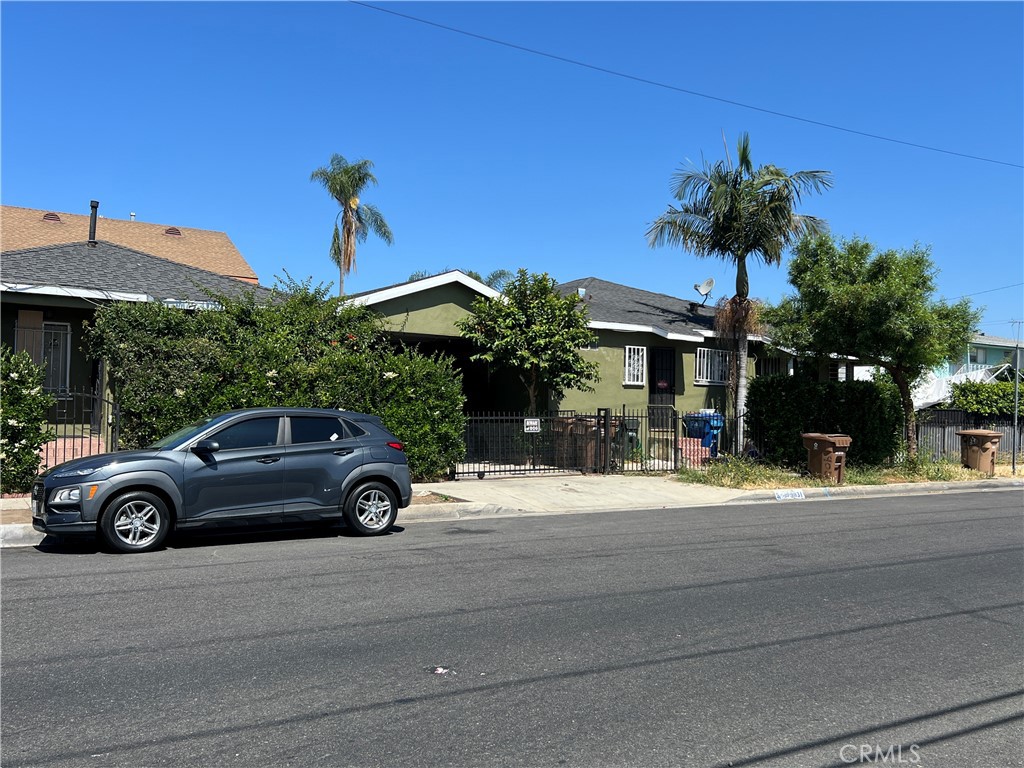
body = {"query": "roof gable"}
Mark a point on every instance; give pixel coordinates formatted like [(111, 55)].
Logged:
[(23, 228), (399, 290)]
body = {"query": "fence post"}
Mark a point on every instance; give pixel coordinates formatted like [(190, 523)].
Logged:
[(604, 418)]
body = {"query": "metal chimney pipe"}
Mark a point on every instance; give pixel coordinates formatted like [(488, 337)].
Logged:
[(94, 205)]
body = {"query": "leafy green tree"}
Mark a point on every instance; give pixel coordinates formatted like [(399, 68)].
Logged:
[(345, 182), (735, 212), (535, 331), (873, 306)]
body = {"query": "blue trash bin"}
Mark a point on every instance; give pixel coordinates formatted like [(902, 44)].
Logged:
[(696, 426), (705, 427), (716, 422)]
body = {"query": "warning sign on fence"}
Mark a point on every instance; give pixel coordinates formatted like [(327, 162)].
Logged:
[(531, 425)]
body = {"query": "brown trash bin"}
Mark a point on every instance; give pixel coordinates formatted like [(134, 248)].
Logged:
[(826, 455), (978, 449)]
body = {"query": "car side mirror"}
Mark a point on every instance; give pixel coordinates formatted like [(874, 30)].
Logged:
[(206, 446)]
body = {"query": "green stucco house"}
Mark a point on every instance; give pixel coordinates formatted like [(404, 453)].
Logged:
[(652, 349)]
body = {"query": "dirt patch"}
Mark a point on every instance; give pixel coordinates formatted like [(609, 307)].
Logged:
[(433, 498)]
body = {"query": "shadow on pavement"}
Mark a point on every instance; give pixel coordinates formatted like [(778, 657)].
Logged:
[(195, 539)]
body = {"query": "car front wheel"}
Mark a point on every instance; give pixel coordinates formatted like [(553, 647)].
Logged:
[(371, 509), (135, 522)]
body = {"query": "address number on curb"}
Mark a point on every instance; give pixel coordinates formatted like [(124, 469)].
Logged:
[(531, 425)]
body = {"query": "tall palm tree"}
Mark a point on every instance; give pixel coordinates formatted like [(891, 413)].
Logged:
[(345, 182), (732, 213)]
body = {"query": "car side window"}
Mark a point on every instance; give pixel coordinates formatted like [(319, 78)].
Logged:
[(317, 429), (354, 430), (252, 433)]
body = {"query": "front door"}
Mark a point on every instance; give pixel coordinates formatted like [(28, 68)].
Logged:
[(662, 393), (56, 356)]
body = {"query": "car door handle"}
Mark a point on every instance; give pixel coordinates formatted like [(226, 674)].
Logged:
[(268, 459), (343, 451)]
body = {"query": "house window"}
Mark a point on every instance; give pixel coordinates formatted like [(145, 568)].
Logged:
[(977, 356), (837, 371), (635, 373), (712, 366), (773, 366)]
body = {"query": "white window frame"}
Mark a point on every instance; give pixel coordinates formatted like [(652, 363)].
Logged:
[(712, 366), (634, 367)]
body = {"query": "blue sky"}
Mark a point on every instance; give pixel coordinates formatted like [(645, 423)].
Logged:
[(213, 115)]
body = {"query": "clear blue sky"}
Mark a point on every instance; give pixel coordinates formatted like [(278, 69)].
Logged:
[(214, 115)]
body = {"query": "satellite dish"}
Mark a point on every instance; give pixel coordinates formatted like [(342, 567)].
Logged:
[(704, 289)]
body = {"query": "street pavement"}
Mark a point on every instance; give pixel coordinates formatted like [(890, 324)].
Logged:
[(518, 495), (770, 634)]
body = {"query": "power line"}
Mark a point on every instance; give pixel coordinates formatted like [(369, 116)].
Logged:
[(676, 88), (990, 290)]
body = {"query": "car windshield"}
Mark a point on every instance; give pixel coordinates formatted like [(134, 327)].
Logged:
[(184, 434)]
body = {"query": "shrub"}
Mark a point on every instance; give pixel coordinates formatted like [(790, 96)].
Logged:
[(985, 399), (23, 430), (168, 367), (783, 407)]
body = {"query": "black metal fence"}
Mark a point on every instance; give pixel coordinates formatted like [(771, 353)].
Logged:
[(84, 423), (937, 433), (657, 438)]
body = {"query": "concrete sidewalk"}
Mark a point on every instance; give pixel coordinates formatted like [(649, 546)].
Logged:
[(567, 494)]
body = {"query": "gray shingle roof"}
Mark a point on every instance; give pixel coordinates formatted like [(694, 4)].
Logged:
[(613, 303), (114, 268)]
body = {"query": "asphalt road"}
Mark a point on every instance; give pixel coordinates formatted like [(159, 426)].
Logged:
[(796, 634)]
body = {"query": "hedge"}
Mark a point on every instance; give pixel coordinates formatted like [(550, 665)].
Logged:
[(780, 408), (168, 367)]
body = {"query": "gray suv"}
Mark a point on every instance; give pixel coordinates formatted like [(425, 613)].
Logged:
[(264, 465)]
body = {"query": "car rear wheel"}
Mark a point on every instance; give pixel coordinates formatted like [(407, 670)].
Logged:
[(135, 522), (371, 509)]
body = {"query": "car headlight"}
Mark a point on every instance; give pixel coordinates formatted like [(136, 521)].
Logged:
[(76, 472), (66, 495)]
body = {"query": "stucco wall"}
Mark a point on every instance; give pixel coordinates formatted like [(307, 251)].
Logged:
[(612, 393), (430, 313)]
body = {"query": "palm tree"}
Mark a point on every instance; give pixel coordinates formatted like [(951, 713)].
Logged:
[(732, 213), (345, 182)]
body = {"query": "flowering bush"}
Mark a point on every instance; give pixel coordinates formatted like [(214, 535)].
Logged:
[(23, 429), (168, 367)]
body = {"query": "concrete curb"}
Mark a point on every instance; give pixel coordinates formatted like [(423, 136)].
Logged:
[(19, 535), (872, 491)]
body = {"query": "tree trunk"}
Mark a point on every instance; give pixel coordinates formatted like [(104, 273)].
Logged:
[(742, 281), (909, 415), (741, 387), (341, 281), (531, 391)]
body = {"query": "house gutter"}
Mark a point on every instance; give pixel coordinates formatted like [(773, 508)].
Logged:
[(75, 293)]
